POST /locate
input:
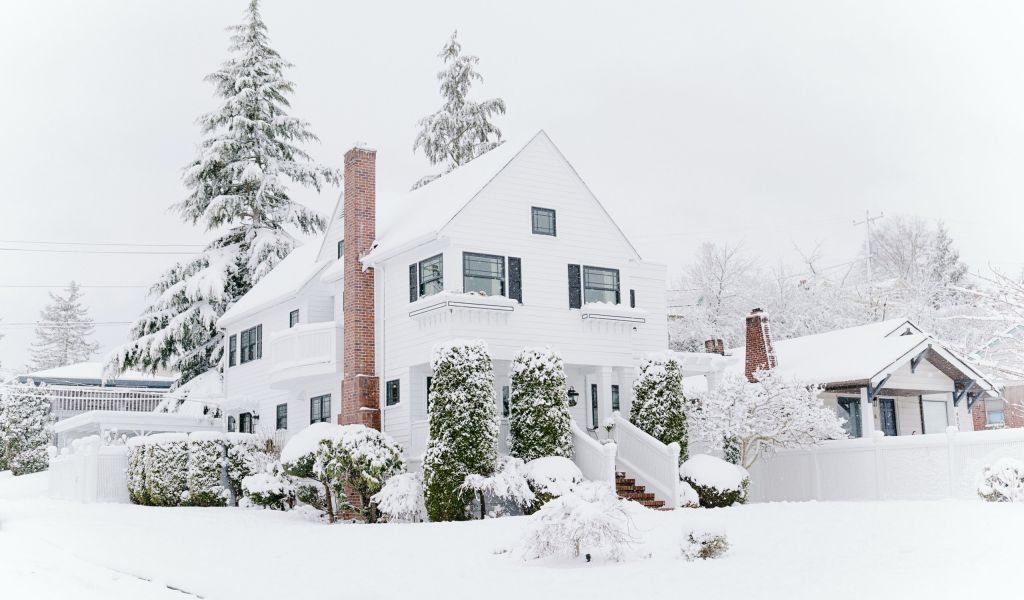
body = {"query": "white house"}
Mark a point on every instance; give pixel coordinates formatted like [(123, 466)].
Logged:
[(511, 248)]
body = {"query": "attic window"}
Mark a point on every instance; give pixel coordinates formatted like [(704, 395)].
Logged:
[(543, 221)]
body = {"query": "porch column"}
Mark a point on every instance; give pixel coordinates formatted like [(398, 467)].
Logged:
[(867, 415), (604, 395)]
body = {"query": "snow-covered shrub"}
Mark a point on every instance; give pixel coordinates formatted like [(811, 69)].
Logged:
[(310, 456), (463, 427), (205, 467), (242, 460), (401, 499), (25, 424), (1003, 481), (591, 519), (658, 402), (550, 477), (508, 485), (364, 459), (717, 482), (270, 488), (687, 496), (751, 420), (539, 421), (138, 493), (704, 545), (167, 469)]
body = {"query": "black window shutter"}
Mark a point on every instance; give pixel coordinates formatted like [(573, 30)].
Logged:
[(632, 298), (414, 292), (575, 289), (515, 279), (259, 341)]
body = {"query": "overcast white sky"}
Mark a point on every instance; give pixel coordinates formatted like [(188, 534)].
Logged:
[(771, 123)]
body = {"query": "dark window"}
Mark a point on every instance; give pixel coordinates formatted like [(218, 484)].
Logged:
[(282, 416), (849, 409), (632, 298), (245, 422), (391, 392), (887, 415), (600, 285), (252, 344), (293, 318), (615, 397), (414, 288), (515, 279), (232, 350), (543, 221), (575, 290), (483, 273), (231, 424), (505, 398), (593, 404), (341, 248), (320, 409), (431, 272)]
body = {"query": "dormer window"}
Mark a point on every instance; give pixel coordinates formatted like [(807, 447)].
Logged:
[(543, 221)]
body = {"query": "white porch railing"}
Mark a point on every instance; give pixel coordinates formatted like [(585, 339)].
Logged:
[(306, 349), (653, 464), (90, 472), (595, 460)]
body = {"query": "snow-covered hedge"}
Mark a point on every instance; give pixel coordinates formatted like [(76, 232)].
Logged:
[(539, 421), (551, 477), (589, 520), (508, 488), (687, 496), (401, 499), (167, 469), (717, 482), (137, 491), (1003, 481), (241, 460), (205, 467), (270, 488)]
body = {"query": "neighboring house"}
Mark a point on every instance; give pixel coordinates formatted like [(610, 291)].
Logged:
[(889, 376), (511, 248), (81, 387), (1004, 356)]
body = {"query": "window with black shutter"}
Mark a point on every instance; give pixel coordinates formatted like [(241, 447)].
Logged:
[(293, 318), (245, 423), (515, 279), (483, 274), (414, 287), (600, 285), (282, 416), (232, 350), (632, 298), (575, 288), (392, 392), (431, 273)]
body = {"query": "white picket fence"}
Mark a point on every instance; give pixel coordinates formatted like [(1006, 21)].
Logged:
[(916, 467), (89, 472)]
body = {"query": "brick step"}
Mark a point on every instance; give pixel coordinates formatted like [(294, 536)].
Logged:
[(623, 489), (638, 496), (626, 487), (624, 481)]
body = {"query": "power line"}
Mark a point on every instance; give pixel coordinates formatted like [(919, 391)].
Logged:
[(65, 243), (61, 325), (93, 251), (64, 285)]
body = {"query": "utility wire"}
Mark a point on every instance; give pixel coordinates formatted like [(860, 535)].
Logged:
[(66, 243), (61, 325), (93, 251), (64, 285)]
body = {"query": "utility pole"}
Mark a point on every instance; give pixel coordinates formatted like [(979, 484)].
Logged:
[(868, 219)]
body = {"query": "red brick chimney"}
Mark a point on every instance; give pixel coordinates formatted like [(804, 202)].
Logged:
[(760, 352), (714, 346), (360, 398)]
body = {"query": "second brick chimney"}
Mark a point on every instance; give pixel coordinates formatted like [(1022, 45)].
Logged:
[(360, 396), (714, 346), (760, 352)]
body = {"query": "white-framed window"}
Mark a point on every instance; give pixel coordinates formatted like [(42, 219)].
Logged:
[(483, 273), (601, 285)]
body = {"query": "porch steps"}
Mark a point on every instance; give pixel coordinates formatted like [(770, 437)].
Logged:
[(627, 488)]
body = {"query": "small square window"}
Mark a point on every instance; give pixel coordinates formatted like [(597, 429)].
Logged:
[(543, 221), (293, 318), (392, 396), (341, 248)]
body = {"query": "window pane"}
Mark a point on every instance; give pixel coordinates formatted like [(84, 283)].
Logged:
[(431, 275), (600, 285), (543, 221), (484, 274)]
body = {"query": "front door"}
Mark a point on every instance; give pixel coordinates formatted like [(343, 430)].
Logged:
[(887, 414)]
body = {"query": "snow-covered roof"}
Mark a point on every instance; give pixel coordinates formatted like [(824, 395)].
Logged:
[(91, 373), (200, 397), (149, 422), (284, 281)]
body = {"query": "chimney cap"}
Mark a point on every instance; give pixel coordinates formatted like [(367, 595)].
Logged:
[(357, 145), (756, 311)]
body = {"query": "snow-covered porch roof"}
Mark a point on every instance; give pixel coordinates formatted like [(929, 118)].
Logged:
[(132, 423)]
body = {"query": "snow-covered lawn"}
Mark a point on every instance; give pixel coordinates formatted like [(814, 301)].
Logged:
[(947, 549)]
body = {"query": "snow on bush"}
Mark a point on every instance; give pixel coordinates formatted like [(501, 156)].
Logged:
[(1003, 481), (751, 420), (590, 520), (687, 496), (137, 491), (401, 499), (25, 427), (205, 469), (166, 469), (242, 460), (539, 421), (551, 477), (463, 427), (698, 544), (658, 402), (717, 482), (508, 484), (270, 488), (309, 455)]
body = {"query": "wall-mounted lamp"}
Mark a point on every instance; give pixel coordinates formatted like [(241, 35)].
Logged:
[(573, 395)]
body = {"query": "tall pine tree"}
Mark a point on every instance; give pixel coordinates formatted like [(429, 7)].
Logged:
[(461, 129), (250, 152), (539, 420), (62, 335), (658, 402)]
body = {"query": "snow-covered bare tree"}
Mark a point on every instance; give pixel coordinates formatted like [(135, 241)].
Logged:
[(24, 428), (250, 153), (539, 420), (758, 418), (62, 335), (461, 129)]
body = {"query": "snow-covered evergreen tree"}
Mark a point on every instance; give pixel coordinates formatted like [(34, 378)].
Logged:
[(62, 335), (463, 427), (25, 429), (658, 402), (364, 459), (461, 129), (539, 421), (250, 153)]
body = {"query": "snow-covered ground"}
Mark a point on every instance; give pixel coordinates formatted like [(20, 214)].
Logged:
[(945, 549)]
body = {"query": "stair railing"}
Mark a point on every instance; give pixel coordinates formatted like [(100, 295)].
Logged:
[(651, 463), (595, 460)]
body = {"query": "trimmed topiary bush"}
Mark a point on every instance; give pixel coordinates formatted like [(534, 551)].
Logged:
[(166, 467), (270, 488), (658, 402), (206, 455), (364, 459), (718, 483), (1003, 481), (138, 493), (539, 420), (551, 477), (463, 437)]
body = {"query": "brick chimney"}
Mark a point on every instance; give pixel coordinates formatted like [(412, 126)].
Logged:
[(714, 346), (360, 397), (760, 352)]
